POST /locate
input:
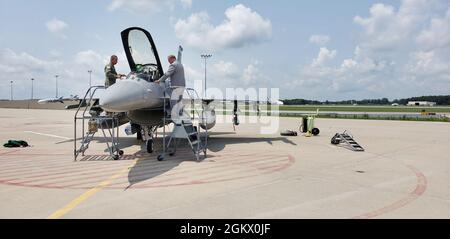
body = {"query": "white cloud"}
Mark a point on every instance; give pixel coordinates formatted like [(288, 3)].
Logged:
[(380, 15), (363, 76), (348, 63), (359, 76), (90, 59), (56, 27), (226, 69), (225, 74), (427, 71), (401, 53), (428, 63), (381, 29), (324, 56), (320, 40), (16, 63), (20, 67), (242, 27), (252, 74), (193, 74), (387, 28), (438, 34)]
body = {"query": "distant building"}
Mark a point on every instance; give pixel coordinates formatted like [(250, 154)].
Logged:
[(421, 103)]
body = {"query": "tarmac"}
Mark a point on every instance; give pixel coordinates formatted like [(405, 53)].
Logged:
[(404, 172)]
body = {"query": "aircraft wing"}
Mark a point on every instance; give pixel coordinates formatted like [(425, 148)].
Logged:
[(81, 103)]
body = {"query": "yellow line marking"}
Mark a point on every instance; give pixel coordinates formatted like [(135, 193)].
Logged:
[(61, 212)]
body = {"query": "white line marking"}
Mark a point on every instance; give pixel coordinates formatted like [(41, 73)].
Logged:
[(49, 135)]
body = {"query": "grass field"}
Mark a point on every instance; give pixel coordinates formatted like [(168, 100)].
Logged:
[(368, 117), (417, 109), (349, 116)]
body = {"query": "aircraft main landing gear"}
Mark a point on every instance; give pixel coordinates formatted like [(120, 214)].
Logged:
[(149, 145)]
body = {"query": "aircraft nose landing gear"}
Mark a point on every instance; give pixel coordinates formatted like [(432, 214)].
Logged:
[(119, 153), (147, 133)]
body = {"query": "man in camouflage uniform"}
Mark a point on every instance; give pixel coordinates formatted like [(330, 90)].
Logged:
[(110, 72)]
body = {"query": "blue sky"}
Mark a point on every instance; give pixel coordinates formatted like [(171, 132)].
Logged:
[(309, 49)]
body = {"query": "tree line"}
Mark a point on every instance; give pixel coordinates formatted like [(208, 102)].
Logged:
[(439, 99)]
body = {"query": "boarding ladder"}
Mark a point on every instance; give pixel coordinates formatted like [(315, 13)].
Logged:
[(108, 124), (346, 138), (184, 128)]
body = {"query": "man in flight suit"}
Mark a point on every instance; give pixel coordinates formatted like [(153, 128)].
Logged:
[(110, 72), (111, 75)]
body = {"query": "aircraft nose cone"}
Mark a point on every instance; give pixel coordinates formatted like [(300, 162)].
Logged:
[(123, 96)]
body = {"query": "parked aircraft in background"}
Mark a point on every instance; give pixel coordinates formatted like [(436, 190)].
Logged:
[(58, 100)]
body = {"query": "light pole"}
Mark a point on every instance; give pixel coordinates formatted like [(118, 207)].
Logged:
[(90, 80), (32, 80), (31, 93), (56, 77), (11, 90), (205, 56)]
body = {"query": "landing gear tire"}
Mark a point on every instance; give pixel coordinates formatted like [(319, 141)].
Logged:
[(149, 145), (335, 141), (120, 152), (315, 131), (160, 157), (115, 157), (235, 120), (139, 135)]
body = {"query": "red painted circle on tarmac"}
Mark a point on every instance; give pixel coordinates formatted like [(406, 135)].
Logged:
[(59, 172)]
